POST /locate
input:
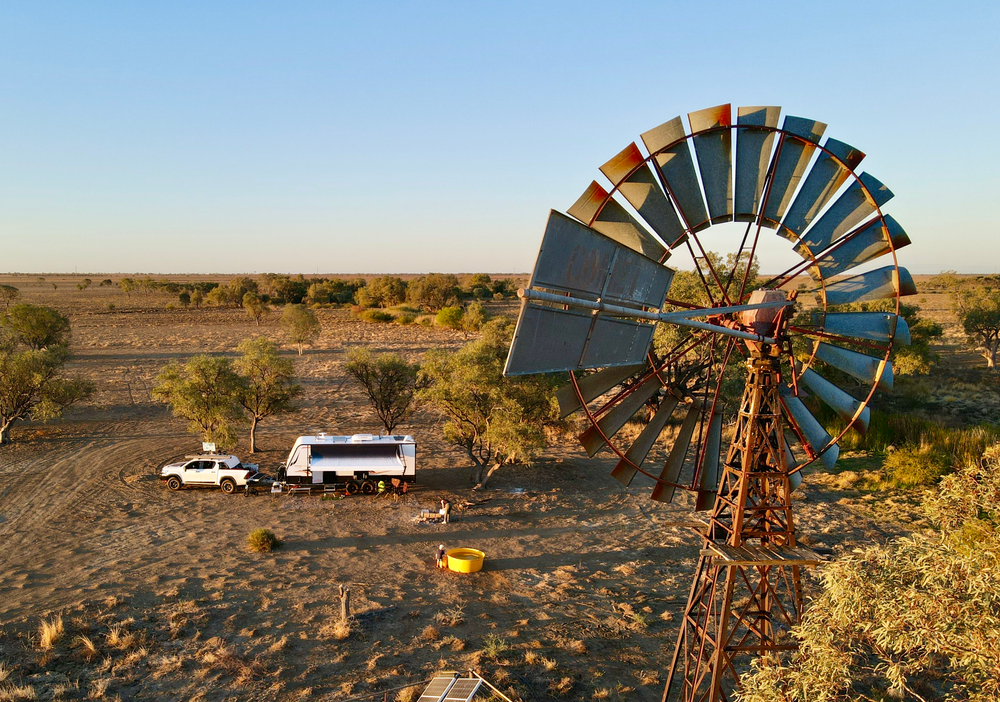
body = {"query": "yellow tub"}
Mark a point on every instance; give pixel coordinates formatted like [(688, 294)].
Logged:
[(465, 560)]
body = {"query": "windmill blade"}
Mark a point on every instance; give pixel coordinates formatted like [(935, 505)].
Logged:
[(640, 448), (811, 429), (709, 484), (675, 461), (593, 386), (794, 469), (792, 156), (873, 285), (715, 159), (614, 340), (865, 244), (867, 369), (874, 326), (843, 404), (831, 170), (614, 221), (753, 151), (849, 209), (638, 185), (616, 418), (673, 160)]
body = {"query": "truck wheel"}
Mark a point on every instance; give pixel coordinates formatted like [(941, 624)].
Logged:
[(228, 486), (174, 483), (368, 488), (352, 487)]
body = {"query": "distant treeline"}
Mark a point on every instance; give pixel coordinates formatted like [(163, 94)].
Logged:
[(431, 292)]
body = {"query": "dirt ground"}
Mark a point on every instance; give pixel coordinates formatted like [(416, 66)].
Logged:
[(579, 597)]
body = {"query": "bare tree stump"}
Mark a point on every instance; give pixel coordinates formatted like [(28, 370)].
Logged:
[(345, 603)]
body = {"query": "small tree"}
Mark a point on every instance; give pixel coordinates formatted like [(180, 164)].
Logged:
[(197, 297), (8, 294), (977, 305), (32, 384), (35, 326), (450, 317), (203, 391), (387, 290), (128, 286), (433, 291), (474, 318), (496, 420), (300, 325), (267, 383), (184, 297), (389, 382), (255, 306)]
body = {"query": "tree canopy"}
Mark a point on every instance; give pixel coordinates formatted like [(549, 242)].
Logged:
[(33, 352), (203, 391), (266, 383), (976, 303), (35, 326), (300, 325), (495, 420), (389, 383)]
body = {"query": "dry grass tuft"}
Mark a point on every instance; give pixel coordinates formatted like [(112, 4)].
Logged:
[(430, 633), (88, 649), (338, 630), (453, 616), (576, 646), (602, 694), (50, 632), (561, 687), (5, 672), (648, 677), (531, 658), (408, 694), (10, 693), (262, 541), (453, 642), (119, 636), (548, 663), (168, 665), (136, 656), (99, 688)]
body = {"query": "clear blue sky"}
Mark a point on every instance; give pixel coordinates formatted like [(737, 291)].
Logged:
[(411, 137)]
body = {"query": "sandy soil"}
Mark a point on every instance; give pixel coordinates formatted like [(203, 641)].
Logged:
[(578, 599)]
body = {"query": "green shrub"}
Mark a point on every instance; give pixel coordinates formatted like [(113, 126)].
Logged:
[(911, 467), (450, 317), (377, 316), (406, 318), (494, 646), (263, 541)]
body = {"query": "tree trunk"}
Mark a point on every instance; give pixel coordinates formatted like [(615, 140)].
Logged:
[(991, 359), (253, 435), (300, 349), (489, 473), (345, 603), (5, 433)]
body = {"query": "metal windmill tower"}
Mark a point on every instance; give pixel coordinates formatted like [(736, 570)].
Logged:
[(600, 290)]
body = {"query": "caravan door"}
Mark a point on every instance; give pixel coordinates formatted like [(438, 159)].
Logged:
[(299, 465)]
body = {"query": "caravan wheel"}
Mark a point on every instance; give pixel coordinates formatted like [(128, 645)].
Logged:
[(352, 487), (368, 487)]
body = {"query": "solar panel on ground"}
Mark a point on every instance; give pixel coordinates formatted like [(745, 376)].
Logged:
[(463, 690), (437, 689)]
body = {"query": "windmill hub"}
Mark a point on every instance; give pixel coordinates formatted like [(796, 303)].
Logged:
[(602, 305)]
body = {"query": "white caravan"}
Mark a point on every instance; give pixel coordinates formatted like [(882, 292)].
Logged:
[(358, 461)]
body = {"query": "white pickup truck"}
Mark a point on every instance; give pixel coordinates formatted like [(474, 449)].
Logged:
[(208, 470)]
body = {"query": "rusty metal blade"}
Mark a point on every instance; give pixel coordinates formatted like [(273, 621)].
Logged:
[(793, 153), (873, 285), (638, 185), (825, 177), (811, 429), (753, 151), (867, 369), (614, 221), (640, 448), (843, 404), (865, 244), (593, 386), (675, 460), (715, 159), (616, 418), (675, 165), (709, 485), (875, 326), (794, 470), (849, 210)]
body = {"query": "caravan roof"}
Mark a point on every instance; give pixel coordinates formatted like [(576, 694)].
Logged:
[(356, 439)]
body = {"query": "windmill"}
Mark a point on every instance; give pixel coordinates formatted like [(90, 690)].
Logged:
[(667, 381)]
